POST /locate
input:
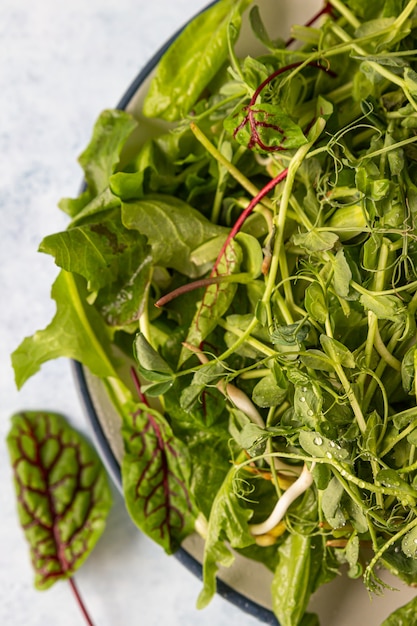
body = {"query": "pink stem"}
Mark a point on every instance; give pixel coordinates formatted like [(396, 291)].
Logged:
[(326, 10), (245, 214), (80, 601), (286, 68)]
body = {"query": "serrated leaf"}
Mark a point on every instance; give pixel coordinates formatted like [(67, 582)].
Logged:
[(101, 157), (384, 307), (101, 250), (76, 328), (156, 473), (62, 492)]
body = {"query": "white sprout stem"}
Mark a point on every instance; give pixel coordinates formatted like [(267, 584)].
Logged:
[(236, 395), (244, 404), (303, 482)]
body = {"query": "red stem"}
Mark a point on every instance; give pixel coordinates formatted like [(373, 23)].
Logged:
[(201, 282), (205, 282), (327, 9), (286, 68), (80, 601), (137, 384), (245, 214)]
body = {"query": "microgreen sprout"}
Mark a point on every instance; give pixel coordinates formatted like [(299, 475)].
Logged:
[(303, 482)]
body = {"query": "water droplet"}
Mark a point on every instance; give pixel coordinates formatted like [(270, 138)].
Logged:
[(329, 455), (310, 412), (303, 389), (332, 444), (318, 441), (302, 399), (361, 484), (344, 473), (396, 549), (415, 541)]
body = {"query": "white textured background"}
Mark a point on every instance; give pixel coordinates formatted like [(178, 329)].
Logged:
[(61, 62)]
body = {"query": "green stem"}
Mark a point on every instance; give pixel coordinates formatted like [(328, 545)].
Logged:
[(380, 69), (230, 167), (347, 387), (244, 337), (379, 371), (378, 284), (281, 217), (404, 433), (346, 13), (384, 548)]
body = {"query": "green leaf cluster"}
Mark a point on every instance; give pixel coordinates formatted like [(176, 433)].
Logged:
[(256, 264)]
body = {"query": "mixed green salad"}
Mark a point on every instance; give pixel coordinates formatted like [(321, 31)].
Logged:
[(248, 244)]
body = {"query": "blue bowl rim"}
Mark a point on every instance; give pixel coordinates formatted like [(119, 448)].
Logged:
[(250, 607)]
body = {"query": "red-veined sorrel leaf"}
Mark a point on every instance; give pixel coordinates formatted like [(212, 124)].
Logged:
[(63, 495), (156, 473), (265, 128)]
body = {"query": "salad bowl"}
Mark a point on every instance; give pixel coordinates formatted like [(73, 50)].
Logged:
[(342, 599)]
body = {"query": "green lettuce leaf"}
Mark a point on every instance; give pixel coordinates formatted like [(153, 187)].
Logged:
[(77, 331), (193, 60)]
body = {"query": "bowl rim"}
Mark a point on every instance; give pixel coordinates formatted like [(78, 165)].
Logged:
[(101, 442)]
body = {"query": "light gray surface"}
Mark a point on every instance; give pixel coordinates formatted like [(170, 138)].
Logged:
[(61, 63)]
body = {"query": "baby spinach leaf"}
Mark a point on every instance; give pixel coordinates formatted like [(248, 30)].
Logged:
[(193, 60), (173, 228), (150, 363), (63, 495), (228, 519), (294, 578), (156, 477)]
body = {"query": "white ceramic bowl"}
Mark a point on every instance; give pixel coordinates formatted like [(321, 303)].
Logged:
[(343, 601)]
